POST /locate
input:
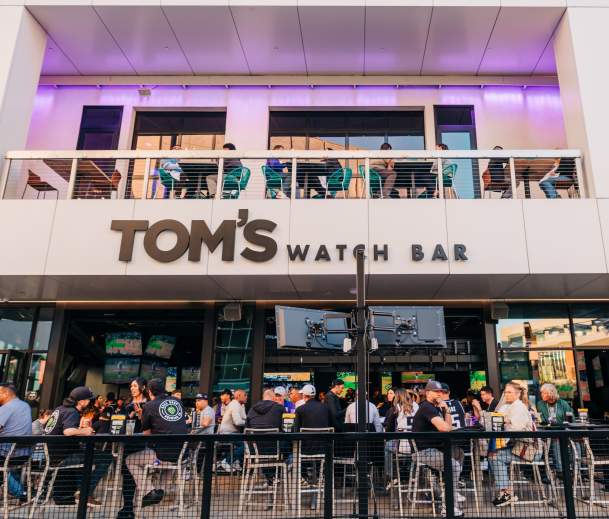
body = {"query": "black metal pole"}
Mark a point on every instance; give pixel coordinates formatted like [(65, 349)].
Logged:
[(362, 384), (81, 511), (567, 476), (207, 479), (329, 480)]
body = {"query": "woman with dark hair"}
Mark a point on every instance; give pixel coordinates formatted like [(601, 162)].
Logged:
[(387, 402), (139, 397)]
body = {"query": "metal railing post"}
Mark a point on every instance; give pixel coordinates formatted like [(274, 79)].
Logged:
[(6, 167), (440, 179), (293, 187), (220, 183), (329, 479), (449, 479), (207, 479), (513, 177), (146, 179), (367, 178), (579, 172), (86, 480), (567, 476), (72, 182)]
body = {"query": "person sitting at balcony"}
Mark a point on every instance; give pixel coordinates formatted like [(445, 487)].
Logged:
[(384, 167), (430, 180), (229, 165), (233, 421), (516, 418), (282, 169), (496, 176), (487, 401), (563, 170), (172, 167)]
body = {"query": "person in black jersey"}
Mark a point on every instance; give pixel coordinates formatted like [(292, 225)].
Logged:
[(162, 415)]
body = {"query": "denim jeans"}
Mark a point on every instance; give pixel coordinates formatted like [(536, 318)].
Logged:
[(548, 185), (499, 462), (434, 459)]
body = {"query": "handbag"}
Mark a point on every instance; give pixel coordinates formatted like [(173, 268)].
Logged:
[(525, 450)]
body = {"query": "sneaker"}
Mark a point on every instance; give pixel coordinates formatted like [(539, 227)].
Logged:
[(459, 498), (504, 499), (461, 484), (457, 512), (391, 484), (223, 465)]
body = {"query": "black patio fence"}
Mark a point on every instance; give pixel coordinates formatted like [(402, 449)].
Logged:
[(551, 473)]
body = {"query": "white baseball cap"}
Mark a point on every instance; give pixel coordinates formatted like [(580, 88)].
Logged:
[(308, 390), (280, 391)]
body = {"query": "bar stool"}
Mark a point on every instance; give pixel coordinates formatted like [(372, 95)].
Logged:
[(471, 454), (402, 455), (254, 462), (593, 461), (418, 469), (314, 459), (542, 497)]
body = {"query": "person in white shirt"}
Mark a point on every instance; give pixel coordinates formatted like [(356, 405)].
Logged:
[(301, 400), (516, 418), (373, 415), (233, 422)]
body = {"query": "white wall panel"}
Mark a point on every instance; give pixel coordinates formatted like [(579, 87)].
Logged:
[(82, 242)]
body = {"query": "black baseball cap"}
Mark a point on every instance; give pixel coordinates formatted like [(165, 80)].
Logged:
[(227, 392), (82, 393), (445, 387), (337, 382), (201, 396)]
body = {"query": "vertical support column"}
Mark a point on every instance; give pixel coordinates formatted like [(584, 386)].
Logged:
[(490, 340), (440, 179), (21, 53), (207, 349), (220, 183), (72, 181), (293, 187), (367, 179), (257, 374), (52, 373), (513, 177), (146, 179)]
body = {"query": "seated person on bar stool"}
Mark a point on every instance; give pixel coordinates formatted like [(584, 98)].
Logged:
[(233, 422), (229, 165), (15, 420), (434, 416), (487, 402), (384, 167), (516, 418), (163, 415), (66, 421), (283, 169)]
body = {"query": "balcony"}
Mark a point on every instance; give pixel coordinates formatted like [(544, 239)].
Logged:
[(206, 175)]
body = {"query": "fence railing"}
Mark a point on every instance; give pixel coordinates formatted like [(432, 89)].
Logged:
[(277, 175), (553, 473)]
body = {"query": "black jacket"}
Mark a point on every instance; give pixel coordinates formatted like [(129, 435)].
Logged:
[(265, 414), (332, 402)]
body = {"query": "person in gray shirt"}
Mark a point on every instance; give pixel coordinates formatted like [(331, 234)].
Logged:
[(15, 420), (205, 416)]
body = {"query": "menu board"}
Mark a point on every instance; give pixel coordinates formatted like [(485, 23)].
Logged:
[(124, 343), (161, 346)]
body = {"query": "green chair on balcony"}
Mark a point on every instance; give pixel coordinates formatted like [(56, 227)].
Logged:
[(273, 181), (448, 175), (376, 182), (168, 182), (235, 181), (339, 181)]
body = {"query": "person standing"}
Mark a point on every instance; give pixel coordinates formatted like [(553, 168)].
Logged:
[(333, 402), (15, 420), (434, 416), (312, 414), (163, 415), (66, 421), (139, 399), (225, 398)]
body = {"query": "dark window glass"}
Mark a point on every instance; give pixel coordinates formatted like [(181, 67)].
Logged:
[(164, 123), (100, 128), (454, 115)]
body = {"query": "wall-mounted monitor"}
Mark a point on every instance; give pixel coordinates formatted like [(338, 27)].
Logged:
[(121, 370), (191, 374), (305, 328), (414, 326), (288, 378), (124, 343), (153, 369), (161, 346)]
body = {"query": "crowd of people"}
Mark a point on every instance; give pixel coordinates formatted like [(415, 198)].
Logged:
[(426, 409)]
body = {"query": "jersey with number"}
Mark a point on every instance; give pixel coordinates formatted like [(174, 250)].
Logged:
[(457, 413)]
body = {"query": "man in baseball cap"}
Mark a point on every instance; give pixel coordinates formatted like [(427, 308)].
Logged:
[(66, 421), (203, 422), (312, 414), (434, 416), (281, 393)]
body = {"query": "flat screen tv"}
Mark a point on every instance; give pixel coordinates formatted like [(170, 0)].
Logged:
[(153, 369), (124, 343), (191, 374), (161, 346), (121, 370)]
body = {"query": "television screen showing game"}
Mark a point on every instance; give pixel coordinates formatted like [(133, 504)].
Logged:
[(124, 343), (119, 370), (161, 346), (153, 369), (191, 374)]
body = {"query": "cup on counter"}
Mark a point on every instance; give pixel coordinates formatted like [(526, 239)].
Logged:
[(583, 415), (130, 427)]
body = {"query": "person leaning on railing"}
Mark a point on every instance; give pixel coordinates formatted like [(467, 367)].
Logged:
[(516, 418)]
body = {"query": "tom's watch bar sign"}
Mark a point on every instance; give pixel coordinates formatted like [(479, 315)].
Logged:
[(260, 247)]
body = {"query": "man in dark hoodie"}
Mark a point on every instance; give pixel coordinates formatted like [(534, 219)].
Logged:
[(265, 414)]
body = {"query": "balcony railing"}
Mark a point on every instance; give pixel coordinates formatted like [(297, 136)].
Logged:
[(126, 174)]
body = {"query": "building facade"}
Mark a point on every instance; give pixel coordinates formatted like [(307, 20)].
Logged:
[(128, 229)]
